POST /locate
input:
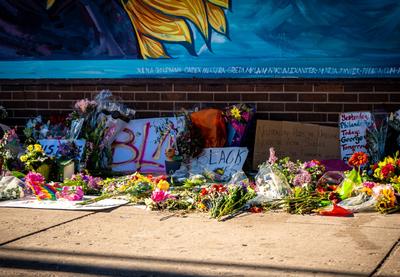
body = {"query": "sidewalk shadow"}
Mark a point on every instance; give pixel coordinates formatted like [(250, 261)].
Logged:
[(30, 261)]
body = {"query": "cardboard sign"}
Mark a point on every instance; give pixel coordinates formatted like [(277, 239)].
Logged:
[(353, 127), (295, 140), (138, 147), (50, 146), (229, 159)]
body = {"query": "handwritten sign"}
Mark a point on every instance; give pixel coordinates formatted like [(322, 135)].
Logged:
[(50, 146), (295, 140), (353, 126), (137, 147), (228, 159)]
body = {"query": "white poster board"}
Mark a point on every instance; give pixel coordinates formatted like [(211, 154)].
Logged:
[(229, 159), (353, 127), (33, 203), (50, 146), (137, 147)]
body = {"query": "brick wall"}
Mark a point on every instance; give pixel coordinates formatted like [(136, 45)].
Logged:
[(314, 101)]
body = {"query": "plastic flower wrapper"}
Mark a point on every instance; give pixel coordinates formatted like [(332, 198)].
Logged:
[(353, 178), (36, 129), (364, 201), (386, 201), (238, 117), (194, 180), (375, 136), (116, 117), (330, 181), (271, 183), (9, 148), (393, 134), (238, 177), (12, 188), (3, 113)]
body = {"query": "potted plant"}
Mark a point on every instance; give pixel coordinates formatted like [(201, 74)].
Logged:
[(36, 160)]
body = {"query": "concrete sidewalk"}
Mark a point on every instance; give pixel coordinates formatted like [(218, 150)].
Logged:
[(129, 241)]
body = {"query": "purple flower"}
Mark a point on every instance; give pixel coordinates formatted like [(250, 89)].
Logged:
[(291, 167), (309, 164), (246, 116), (302, 178)]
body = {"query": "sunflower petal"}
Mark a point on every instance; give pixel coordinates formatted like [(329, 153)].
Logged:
[(222, 3), (50, 3), (157, 25), (193, 10), (151, 48), (216, 17)]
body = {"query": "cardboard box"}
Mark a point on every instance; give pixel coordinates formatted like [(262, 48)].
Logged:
[(296, 140)]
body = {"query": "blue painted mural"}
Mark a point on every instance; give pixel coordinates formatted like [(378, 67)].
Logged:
[(199, 38)]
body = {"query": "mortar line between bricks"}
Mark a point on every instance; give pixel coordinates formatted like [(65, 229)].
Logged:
[(385, 258), (46, 229)]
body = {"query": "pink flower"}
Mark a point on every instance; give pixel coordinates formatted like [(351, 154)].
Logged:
[(302, 178), (369, 185), (246, 116), (160, 195), (272, 158), (35, 179), (71, 193)]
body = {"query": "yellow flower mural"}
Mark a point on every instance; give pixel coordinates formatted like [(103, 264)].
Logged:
[(156, 22)]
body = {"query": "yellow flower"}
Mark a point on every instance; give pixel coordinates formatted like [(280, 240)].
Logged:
[(38, 148), (23, 158), (163, 185), (390, 160), (30, 147), (367, 190), (235, 113), (395, 180), (201, 206)]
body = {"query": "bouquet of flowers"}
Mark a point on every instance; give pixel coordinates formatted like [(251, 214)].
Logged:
[(387, 170), (68, 151), (9, 146), (36, 160), (98, 122), (89, 184), (375, 136), (36, 129), (237, 118), (353, 178), (57, 127)]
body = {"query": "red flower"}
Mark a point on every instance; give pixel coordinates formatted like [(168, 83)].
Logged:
[(218, 188), (203, 192), (358, 159), (387, 170), (256, 209)]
